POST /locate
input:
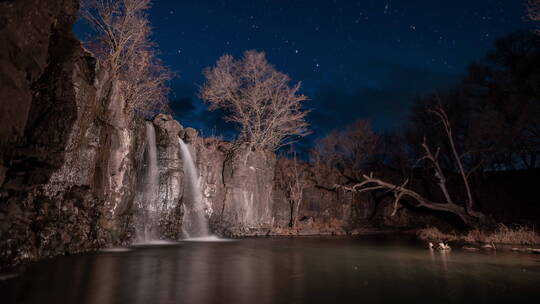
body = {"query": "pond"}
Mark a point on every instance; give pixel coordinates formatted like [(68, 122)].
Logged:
[(369, 269)]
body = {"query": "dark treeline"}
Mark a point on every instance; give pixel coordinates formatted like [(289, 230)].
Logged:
[(452, 139), (494, 113)]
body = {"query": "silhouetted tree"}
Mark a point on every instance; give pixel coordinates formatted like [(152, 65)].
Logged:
[(349, 150), (495, 111), (465, 210), (508, 87), (258, 98), (392, 151), (422, 124)]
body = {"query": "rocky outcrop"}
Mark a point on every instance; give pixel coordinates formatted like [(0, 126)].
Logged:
[(243, 197), (247, 206), (171, 176), (33, 34), (237, 187), (323, 210), (69, 153)]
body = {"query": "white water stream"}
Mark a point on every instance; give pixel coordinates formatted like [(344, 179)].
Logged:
[(195, 223), (149, 203)]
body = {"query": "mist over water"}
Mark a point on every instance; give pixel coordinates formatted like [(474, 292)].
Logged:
[(195, 223)]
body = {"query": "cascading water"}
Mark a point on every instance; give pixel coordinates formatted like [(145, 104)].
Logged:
[(148, 202), (195, 223)]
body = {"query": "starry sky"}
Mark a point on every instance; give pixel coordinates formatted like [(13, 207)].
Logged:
[(356, 59)]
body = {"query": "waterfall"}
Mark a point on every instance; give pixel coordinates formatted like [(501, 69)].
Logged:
[(195, 223), (148, 202), (152, 174)]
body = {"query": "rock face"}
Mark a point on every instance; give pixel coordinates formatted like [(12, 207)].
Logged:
[(171, 175), (237, 186), (247, 207), (323, 210), (166, 220), (33, 34), (243, 197), (69, 153)]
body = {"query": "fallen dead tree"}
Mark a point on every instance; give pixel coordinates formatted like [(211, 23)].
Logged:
[(400, 191)]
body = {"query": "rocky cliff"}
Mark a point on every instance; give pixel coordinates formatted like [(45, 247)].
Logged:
[(171, 181), (241, 192), (68, 152)]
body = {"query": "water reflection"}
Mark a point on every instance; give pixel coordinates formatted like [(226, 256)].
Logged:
[(282, 270)]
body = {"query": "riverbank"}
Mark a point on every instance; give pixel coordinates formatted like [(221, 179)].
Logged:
[(516, 238)]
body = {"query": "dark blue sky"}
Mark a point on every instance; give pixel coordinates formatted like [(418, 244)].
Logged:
[(356, 59)]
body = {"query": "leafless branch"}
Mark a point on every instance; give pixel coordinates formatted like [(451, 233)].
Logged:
[(441, 114), (466, 213), (400, 191), (123, 45)]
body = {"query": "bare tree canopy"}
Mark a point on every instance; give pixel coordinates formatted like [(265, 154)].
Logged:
[(258, 98), (123, 45), (348, 150)]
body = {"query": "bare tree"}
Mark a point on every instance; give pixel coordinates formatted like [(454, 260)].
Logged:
[(124, 46), (466, 212), (349, 151), (258, 98), (293, 179)]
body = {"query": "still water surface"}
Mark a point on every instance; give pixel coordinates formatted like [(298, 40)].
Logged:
[(280, 270)]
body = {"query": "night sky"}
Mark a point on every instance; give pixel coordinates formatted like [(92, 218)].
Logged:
[(356, 59)]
